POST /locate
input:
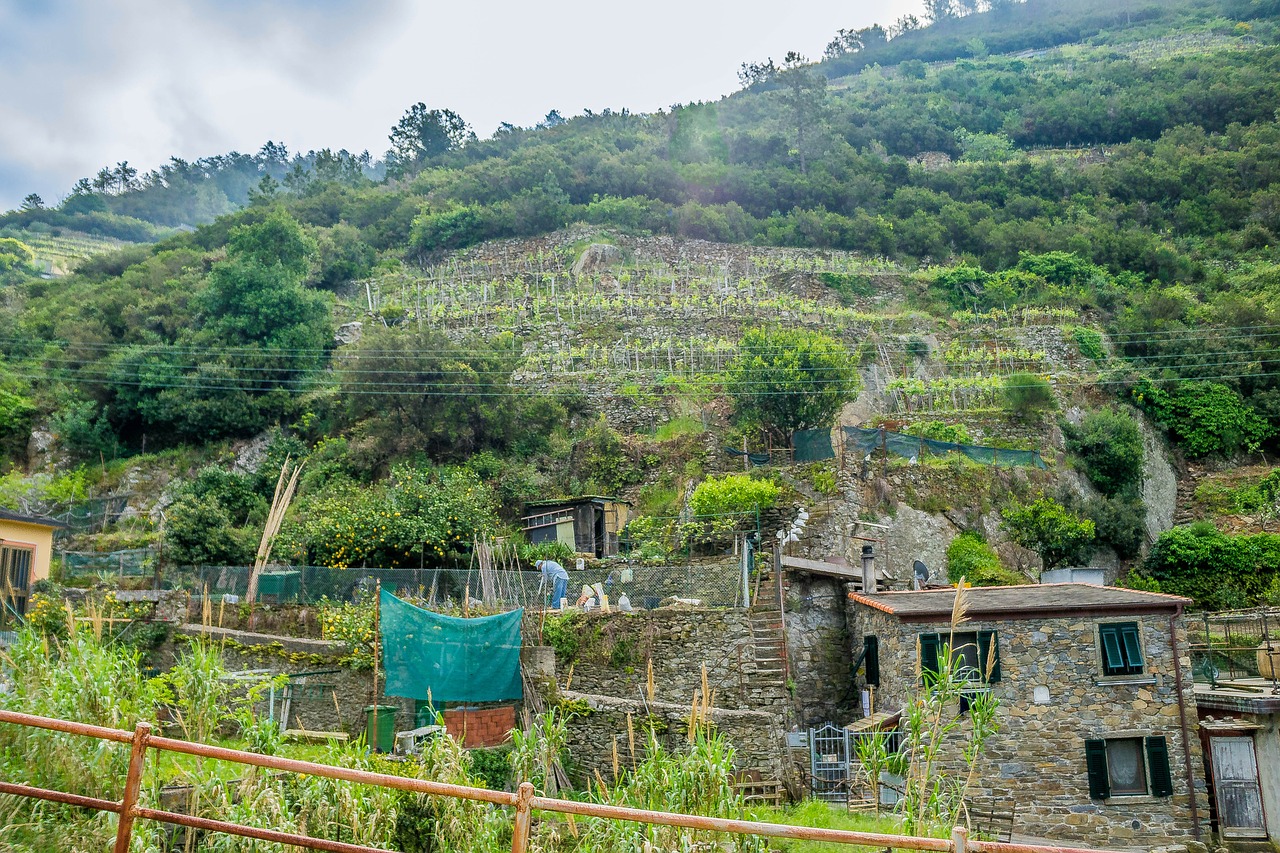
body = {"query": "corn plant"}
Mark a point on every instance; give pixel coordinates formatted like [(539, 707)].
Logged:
[(698, 781), (534, 753)]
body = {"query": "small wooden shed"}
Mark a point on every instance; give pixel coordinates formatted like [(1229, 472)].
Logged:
[(589, 524)]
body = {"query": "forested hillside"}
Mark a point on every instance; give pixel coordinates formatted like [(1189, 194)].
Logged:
[(1067, 195)]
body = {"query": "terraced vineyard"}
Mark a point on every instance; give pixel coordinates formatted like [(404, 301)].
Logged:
[(664, 314), (59, 253)]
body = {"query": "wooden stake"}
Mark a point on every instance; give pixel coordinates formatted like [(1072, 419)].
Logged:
[(377, 636)]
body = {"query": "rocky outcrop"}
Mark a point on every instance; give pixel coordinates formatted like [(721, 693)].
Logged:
[(1159, 481), (597, 258)]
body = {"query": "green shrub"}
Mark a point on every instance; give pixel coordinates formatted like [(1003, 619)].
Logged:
[(1089, 341), (563, 632), (416, 515), (1217, 570), (1059, 536), (1205, 417), (1137, 580), (824, 482), (939, 431), (970, 557), (732, 493), (492, 767), (772, 379), (848, 286), (199, 532), (604, 461), (1120, 522), (553, 550), (1109, 446), (1027, 395)]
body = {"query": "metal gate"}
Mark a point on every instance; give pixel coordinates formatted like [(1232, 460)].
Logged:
[(829, 763), (1235, 784)]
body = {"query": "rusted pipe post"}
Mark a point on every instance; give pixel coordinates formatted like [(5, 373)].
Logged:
[(520, 837), (132, 784), (959, 839)]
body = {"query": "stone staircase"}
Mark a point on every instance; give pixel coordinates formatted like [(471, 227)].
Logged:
[(767, 635), (769, 646), (1182, 513)]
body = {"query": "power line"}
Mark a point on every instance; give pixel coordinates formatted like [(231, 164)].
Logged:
[(1208, 334), (517, 390)]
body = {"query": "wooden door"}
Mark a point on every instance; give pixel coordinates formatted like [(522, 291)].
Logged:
[(1235, 784)]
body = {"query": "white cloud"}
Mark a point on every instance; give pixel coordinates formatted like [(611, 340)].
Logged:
[(91, 83)]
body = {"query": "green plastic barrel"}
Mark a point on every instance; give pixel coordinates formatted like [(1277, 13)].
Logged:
[(380, 731)]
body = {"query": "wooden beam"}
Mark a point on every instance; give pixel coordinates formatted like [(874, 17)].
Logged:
[(817, 567)]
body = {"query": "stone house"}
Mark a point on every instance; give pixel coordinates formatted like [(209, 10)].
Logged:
[(1097, 740)]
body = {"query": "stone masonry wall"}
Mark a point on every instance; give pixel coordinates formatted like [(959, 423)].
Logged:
[(757, 737), (818, 645), (678, 642), (1052, 698), (338, 706)]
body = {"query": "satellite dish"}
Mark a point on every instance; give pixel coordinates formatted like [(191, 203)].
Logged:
[(921, 573)]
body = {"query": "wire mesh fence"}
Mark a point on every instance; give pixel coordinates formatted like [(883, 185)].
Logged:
[(706, 583), (815, 445), (132, 562), (92, 515)]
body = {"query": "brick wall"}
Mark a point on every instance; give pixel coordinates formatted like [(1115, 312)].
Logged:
[(485, 727)]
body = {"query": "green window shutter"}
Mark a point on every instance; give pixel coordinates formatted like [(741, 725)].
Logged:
[(1132, 647), (989, 655), (1158, 764), (1112, 654), (871, 654), (1095, 759), (929, 654)]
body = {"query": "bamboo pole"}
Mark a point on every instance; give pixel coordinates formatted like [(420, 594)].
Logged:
[(377, 642)]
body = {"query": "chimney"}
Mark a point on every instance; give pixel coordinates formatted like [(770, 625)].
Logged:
[(868, 569)]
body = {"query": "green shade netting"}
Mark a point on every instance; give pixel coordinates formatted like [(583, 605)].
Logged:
[(863, 441), (457, 660), (813, 445)]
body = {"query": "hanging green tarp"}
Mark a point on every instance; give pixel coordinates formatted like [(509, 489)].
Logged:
[(457, 660), (862, 441), (813, 445)]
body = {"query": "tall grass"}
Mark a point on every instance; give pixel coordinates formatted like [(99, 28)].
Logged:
[(935, 731), (698, 780), (79, 679)]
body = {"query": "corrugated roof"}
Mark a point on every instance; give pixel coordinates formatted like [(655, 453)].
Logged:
[(9, 515), (1029, 599), (575, 500)]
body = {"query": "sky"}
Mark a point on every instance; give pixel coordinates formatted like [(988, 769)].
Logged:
[(88, 83)]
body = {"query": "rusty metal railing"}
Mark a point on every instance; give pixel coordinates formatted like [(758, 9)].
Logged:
[(524, 801)]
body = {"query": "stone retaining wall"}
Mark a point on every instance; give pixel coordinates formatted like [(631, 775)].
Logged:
[(617, 648), (338, 704), (757, 736)]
